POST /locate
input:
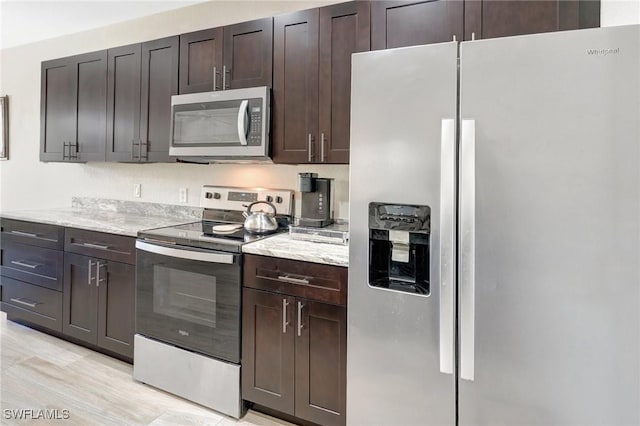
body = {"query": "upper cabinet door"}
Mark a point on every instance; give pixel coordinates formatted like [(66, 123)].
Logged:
[(90, 75), (73, 108), (159, 82), (344, 30), (123, 102), (295, 87), (502, 18), (201, 61), (57, 118), (248, 53), (410, 23)]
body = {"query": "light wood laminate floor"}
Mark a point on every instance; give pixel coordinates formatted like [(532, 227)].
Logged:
[(41, 372)]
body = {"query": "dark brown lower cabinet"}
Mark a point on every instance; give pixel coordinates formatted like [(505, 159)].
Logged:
[(268, 345), (294, 356), (98, 302), (321, 362)]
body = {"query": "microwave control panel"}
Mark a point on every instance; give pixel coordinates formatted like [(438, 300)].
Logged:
[(255, 130)]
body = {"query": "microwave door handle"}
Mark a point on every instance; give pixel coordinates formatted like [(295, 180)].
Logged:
[(242, 122)]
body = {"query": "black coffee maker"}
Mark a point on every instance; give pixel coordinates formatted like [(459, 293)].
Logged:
[(316, 200)]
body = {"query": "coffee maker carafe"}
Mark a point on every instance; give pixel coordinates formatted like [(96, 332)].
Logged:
[(316, 200)]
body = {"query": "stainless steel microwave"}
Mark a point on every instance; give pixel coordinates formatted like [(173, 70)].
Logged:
[(227, 125)]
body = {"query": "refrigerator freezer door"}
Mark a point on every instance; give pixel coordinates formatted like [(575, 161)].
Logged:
[(403, 107), (557, 236)]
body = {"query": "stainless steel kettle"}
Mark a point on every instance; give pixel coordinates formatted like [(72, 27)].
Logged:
[(260, 222)]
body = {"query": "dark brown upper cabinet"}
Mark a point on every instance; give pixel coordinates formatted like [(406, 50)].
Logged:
[(501, 18), (248, 54), (141, 80), (295, 87), (123, 102), (230, 57), (201, 61), (312, 81), (344, 30), (73, 114), (410, 23), (160, 60)]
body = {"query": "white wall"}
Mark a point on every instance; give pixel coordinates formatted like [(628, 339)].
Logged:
[(619, 12), (26, 183)]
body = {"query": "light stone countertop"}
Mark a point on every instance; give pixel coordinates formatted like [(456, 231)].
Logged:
[(281, 245), (111, 216)]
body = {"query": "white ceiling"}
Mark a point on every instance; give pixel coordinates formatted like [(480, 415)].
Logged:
[(27, 21)]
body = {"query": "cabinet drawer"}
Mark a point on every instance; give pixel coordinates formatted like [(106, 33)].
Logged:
[(31, 303), (324, 283), (99, 244), (35, 265), (34, 234)]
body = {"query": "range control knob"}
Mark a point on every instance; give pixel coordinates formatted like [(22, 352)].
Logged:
[(208, 195), (278, 199), (216, 195), (270, 198)]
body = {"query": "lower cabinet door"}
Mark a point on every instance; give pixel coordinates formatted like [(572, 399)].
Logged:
[(80, 298), (321, 351), (116, 304), (268, 349)]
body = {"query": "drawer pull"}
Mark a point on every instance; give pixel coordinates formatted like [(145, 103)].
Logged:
[(24, 264), (25, 234), (22, 302), (292, 280), (96, 246)]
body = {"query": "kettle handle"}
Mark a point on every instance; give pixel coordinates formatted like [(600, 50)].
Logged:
[(261, 202)]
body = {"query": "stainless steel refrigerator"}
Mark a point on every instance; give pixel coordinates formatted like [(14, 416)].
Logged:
[(495, 232)]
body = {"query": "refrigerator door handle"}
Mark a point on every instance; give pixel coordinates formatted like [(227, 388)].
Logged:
[(447, 242), (467, 248)]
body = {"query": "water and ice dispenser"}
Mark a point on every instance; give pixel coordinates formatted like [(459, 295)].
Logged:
[(399, 247)]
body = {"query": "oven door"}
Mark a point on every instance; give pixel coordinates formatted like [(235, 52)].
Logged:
[(231, 123), (189, 297)]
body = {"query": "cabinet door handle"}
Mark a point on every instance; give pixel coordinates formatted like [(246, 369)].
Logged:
[(309, 148), (133, 149), (75, 153), (285, 323), (22, 302), (292, 280), (24, 234), (215, 77), (64, 150), (98, 279), (322, 147), (300, 325), (146, 151), (224, 77), (25, 264), (90, 278)]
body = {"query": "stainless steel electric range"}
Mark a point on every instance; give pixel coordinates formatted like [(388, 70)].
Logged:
[(188, 298)]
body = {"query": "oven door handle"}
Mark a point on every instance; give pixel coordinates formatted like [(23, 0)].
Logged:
[(213, 257)]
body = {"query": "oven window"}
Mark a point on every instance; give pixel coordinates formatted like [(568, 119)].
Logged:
[(184, 295)]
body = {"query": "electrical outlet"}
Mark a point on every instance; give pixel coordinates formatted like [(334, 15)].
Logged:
[(137, 190), (182, 195)]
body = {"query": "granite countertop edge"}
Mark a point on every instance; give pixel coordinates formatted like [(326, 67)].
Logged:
[(111, 222), (282, 246)]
